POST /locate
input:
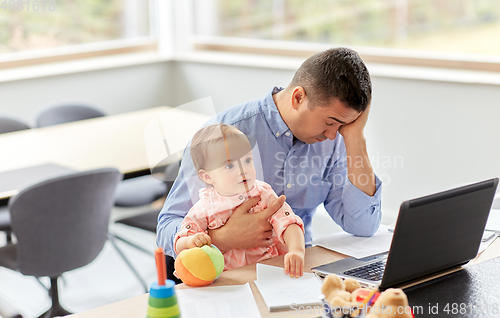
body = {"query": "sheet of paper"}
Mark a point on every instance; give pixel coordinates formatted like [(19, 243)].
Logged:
[(282, 292), (235, 301), (357, 246), (484, 245)]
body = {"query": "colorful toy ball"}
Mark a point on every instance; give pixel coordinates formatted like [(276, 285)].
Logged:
[(199, 266)]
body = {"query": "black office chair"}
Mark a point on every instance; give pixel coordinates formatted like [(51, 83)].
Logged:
[(9, 124), (65, 113), (139, 191), (60, 224), (134, 192)]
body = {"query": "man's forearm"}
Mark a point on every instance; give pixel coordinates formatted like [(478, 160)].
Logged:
[(359, 169)]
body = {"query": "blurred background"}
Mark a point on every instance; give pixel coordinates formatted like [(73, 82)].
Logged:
[(463, 26)]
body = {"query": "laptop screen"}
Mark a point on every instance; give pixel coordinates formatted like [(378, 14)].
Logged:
[(438, 231)]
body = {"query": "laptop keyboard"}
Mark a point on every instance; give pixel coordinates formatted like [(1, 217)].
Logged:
[(373, 271)]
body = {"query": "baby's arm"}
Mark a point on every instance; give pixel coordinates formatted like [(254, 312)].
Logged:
[(197, 240), (193, 228), (294, 259)]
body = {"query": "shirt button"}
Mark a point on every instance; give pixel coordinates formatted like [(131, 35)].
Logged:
[(289, 186), (277, 134), (287, 133), (241, 197)]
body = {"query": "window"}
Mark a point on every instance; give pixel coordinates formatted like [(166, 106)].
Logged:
[(440, 33), (461, 27), (34, 25)]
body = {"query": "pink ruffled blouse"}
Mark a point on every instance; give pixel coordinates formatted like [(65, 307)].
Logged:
[(213, 210)]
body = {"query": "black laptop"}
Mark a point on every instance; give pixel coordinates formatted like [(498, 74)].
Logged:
[(432, 234)]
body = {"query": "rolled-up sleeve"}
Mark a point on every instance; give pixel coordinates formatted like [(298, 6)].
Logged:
[(282, 219), (192, 224)]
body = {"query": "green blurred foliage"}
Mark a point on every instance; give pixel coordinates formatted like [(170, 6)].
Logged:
[(415, 24), (355, 22), (59, 23)]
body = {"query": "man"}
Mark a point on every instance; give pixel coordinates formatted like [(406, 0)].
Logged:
[(311, 143)]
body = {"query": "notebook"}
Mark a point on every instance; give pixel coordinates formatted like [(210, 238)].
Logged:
[(217, 301), (282, 292), (432, 234)]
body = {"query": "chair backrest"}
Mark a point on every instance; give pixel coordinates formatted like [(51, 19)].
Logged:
[(170, 174), (62, 223), (8, 124), (66, 113)]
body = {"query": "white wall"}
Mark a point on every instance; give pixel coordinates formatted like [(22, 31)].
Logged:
[(227, 85), (115, 90), (423, 136), (445, 133)]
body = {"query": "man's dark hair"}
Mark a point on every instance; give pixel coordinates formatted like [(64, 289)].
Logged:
[(335, 73)]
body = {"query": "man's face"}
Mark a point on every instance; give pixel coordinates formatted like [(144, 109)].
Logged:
[(322, 122)]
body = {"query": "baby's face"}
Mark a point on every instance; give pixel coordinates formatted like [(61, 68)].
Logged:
[(236, 175)]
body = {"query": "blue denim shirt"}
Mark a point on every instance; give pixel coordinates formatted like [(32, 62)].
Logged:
[(307, 174)]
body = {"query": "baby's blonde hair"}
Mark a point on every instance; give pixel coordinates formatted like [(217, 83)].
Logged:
[(204, 138)]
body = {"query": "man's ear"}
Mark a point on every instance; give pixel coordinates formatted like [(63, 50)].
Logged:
[(203, 175), (298, 97)]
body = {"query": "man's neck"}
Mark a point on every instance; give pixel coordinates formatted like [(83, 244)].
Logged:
[(280, 99)]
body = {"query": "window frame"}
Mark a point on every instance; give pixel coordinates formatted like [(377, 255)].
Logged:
[(396, 57), (77, 52)]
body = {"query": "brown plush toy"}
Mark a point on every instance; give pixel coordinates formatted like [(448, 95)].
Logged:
[(392, 303), (335, 293), (351, 285)]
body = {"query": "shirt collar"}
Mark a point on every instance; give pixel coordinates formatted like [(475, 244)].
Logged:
[(272, 115)]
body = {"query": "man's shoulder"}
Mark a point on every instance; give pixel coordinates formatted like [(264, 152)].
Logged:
[(241, 112)]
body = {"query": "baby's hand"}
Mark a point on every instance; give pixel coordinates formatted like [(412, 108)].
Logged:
[(294, 263), (198, 240)]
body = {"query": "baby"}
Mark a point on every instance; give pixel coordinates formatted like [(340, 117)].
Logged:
[(222, 155)]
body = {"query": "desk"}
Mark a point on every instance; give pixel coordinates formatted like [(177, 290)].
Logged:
[(110, 141), (136, 307)]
